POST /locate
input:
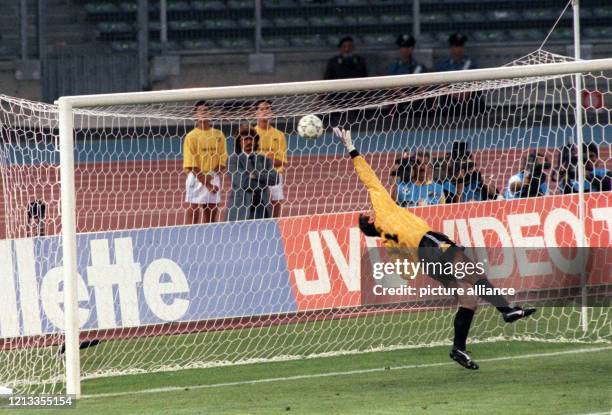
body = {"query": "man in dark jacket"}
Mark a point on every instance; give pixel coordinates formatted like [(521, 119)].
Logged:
[(346, 64), (251, 174)]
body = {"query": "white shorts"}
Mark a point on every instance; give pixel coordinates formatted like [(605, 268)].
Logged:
[(276, 192), (198, 194)]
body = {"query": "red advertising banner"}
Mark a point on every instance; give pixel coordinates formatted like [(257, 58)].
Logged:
[(324, 252)]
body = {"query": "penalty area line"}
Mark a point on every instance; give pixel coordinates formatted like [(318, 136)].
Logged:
[(343, 373)]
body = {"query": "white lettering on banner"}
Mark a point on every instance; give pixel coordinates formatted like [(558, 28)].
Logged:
[(349, 268), (478, 226), (19, 281), (103, 276), (9, 317), (522, 243), (604, 214), (555, 217), (154, 289), (52, 297), (321, 285), (28, 287)]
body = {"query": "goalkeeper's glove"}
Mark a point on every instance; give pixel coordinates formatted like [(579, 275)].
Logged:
[(345, 137)]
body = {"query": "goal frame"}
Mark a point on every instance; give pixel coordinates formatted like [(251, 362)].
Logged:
[(68, 104)]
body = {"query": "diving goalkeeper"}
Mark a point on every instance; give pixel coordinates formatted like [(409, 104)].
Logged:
[(399, 228)]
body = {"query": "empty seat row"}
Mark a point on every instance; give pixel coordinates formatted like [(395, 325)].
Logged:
[(381, 39)]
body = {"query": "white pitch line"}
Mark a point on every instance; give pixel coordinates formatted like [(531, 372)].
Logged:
[(345, 373)]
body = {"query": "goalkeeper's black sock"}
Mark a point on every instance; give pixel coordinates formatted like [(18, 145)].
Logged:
[(463, 321), (497, 300)]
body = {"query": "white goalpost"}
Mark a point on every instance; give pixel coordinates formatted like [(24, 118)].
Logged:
[(123, 285)]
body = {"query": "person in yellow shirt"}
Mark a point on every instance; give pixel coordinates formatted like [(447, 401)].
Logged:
[(400, 228), (204, 158), (273, 144)]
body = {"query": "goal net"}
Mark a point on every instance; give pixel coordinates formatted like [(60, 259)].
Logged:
[(158, 293)]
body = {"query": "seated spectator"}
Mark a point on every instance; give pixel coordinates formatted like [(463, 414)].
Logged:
[(413, 184), (531, 181), (457, 60), (597, 178), (346, 64), (461, 180), (251, 175), (405, 64)]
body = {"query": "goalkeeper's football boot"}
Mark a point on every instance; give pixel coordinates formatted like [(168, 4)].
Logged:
[(464, 359), (517, 313)]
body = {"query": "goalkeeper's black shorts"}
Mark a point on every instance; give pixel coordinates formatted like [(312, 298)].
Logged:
[(437, 250)]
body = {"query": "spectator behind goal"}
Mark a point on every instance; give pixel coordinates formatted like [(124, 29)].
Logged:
[(251, 175), (204, 158), (346, 64), (531, 181), (461, 180), (413, 184), (405, 64), (597, 178)]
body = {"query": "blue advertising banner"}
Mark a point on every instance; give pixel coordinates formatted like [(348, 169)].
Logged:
[(150, 276)]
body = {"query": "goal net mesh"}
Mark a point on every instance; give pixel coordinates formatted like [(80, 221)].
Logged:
[(157, 293)]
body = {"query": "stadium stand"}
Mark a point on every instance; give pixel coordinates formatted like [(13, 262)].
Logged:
[(217, 25), (309, 24)]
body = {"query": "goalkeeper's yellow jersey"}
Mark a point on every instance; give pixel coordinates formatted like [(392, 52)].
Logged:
[(398, 227)]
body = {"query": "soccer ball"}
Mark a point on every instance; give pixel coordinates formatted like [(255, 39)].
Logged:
[(310, 126)]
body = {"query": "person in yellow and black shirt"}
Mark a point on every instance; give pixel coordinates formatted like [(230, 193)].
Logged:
[(400, 228), (204, 157), (273, 144)]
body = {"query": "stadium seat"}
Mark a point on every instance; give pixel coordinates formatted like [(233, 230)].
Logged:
[(101, 8), (178, 6), (603, 32), (236, 43), (198, 44), (128, 6), (316, 2), (274, 42), (379, 39), (502, 16), (361, 20), (602, 12), (561, 33), (325, 21), (490, 36), (312, 41), (240, 4), (220, 24), (208, 5), (540, 14), (351, 2), (249, 23), (394, 19), (272, 4), (114, 27), (184, 24), (124, 46), (467, 16), (290, 22), (527, 35), (434, 18)]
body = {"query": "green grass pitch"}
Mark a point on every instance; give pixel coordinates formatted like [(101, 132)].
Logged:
[(520, 377)]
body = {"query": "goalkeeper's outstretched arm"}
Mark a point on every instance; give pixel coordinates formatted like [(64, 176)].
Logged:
[(366, 174)]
